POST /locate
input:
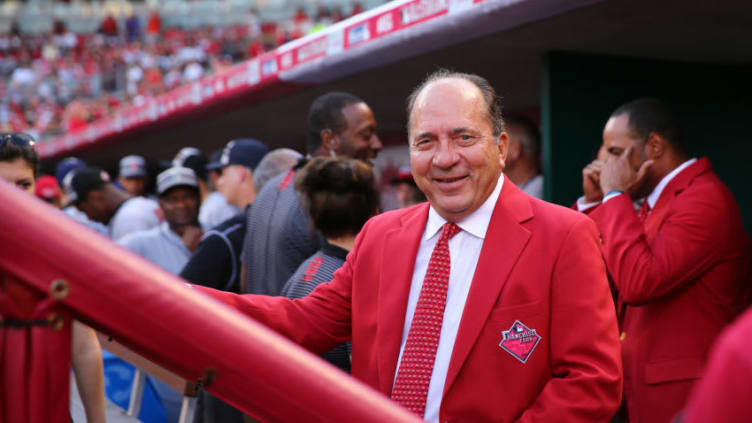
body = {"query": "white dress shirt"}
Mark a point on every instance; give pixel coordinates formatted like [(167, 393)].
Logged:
[(658, 190), (464, 250)]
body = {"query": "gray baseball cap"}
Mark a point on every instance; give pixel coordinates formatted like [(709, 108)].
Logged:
[(176, 176)]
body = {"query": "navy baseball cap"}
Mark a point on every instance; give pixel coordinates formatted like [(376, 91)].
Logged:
[(214, 159), (245, 152), (192, 158), (65, 166), (133, 167), (78, 182)]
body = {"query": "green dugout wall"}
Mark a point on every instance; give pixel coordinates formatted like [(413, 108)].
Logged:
[(713, 103)]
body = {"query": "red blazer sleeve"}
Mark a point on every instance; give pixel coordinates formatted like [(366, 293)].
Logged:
[(584, 337), (685, 246), (318, 322)]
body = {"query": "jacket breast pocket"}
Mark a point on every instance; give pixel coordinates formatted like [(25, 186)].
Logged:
[(517, 331), (507, 314), (672, 371)]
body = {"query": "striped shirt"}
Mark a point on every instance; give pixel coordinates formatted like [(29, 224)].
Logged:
[(318, 269)]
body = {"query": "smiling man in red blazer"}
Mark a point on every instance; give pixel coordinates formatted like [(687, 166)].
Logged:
[(681, 265), (484, 304)]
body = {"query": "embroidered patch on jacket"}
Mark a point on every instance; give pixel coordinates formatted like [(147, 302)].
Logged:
[(520, 341)]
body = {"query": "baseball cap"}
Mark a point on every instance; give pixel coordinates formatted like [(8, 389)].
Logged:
[(245, 152), (133, 167), (65, 166), (46, 188), (78, 182), (174, 177), (214, 159), (192, 158)]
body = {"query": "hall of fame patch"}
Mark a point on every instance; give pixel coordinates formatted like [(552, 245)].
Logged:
[(520, 341)]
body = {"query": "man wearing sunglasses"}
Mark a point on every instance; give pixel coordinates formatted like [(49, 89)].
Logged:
[(18, 165)]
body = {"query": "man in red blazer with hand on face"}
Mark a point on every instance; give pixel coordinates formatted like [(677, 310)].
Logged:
[(681, 265), (484, 304)]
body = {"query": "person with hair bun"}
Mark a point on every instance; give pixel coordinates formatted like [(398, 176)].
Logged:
[(339, 195)]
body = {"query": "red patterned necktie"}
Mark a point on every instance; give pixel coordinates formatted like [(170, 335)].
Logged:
[(414, 375), (644, 211)]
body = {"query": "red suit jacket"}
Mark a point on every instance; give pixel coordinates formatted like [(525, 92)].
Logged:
[(540, 265), (681, 278)]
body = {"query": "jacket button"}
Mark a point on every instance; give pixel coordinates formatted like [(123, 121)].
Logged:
[(622, 336)]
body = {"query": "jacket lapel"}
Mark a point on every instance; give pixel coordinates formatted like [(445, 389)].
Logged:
[(400, 249), (505, 240), (678, 184)]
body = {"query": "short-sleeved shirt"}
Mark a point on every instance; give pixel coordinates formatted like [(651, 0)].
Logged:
[(160, 246), (318, 269), (134, 215), (279, 236), (216, 262)]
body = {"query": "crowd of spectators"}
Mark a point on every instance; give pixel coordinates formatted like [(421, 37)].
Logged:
[(57, 82)]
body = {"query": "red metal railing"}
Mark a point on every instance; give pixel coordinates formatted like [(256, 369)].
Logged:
[(155, 314)]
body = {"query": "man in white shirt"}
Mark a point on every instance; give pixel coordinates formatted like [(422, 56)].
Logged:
[(680, 265), (484, 304), (100, 203), (523, 158)]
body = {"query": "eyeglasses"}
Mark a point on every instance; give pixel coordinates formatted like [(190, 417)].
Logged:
[(16, 138)]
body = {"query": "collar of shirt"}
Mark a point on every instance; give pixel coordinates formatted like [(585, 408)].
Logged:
[(656, 194), (475, 224), (334, 250), (164, 227)]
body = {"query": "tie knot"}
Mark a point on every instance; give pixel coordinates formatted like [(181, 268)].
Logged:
[(450, 229)]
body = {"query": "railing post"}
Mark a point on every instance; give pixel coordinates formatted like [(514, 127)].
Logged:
[(137, 393)]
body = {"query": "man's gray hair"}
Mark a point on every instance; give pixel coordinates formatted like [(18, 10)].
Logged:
[(493, 102), (275, 162)]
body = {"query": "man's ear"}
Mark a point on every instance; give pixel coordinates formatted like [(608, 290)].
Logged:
[(655, 146), (329, 140), (503, 144)]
